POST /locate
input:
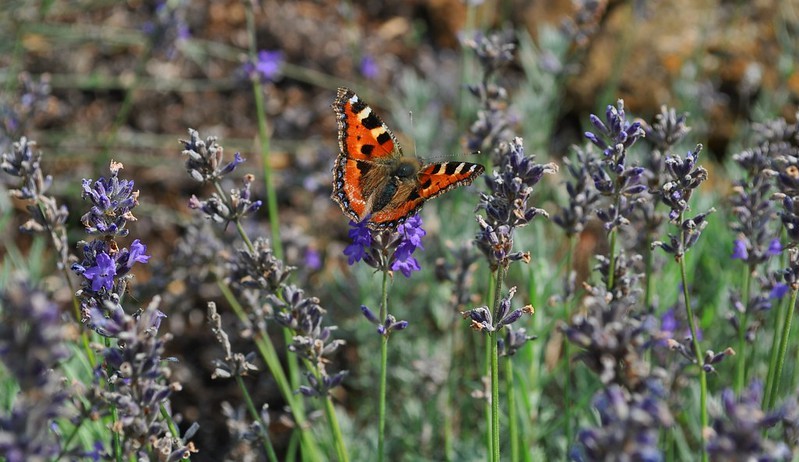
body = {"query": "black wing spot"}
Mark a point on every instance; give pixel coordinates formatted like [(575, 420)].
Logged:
[(358, 106), (451, 168), (363, 167), (371, 121), (384, 138), (367, 149)]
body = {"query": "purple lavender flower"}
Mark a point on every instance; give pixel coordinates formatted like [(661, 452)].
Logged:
[(386, 250), (266, 67), (615, 135), (739, 251), (46, 215), (205, 159), (483, 320), (683, 177), (18, 107), (141, 382), (738, 431), (573, 217), (369, 68), (33, 341), (105, 266), (629, 425), (494, 122), (506, 207), (169, 27), (102, 273), (112, 199), (361, 237), (385, 327), (312, 259)]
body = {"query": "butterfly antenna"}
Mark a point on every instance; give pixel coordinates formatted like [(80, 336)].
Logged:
[(413, 131)]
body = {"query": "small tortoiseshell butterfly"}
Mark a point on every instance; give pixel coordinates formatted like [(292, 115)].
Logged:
[(373, 179)]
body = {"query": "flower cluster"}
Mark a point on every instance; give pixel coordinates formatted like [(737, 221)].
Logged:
[(136, 368), (267, 66), (259, 273), (32, 341), (205, 158), (18, 108), (205, 164), (493, 122), (233, 364), (738, 431), (46, 215), (613, 338), (582, 197), (482, 320), (630, 425), (615, 135), (312, 341), (386, 326), (683, 177), (169, 29), (612, 177), (106, 267), (506, 208), (387, 250), (667, 130)]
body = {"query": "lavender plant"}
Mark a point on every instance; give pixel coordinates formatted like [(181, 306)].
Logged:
[(506, 209), (132, 382), (259, 278), (33, 341), (781, 141), (683, 178), (386, 251), (756, 242)]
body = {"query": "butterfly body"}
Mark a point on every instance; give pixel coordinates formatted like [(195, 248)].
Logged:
[(372, 179)]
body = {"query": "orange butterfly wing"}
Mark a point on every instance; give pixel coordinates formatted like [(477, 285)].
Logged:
[(433, 180), (371, 178)]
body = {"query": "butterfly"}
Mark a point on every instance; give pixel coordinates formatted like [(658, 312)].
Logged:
[(373, 180)]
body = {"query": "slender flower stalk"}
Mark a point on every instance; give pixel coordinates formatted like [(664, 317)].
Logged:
[(684, 177), (237, 365), (257, 274), (506, 209), (621, 184), (267, 65), (386, 251)]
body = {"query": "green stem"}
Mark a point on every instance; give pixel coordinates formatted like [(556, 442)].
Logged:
[(263, 138), (510, 391), (612, 260), (649, 258), (494, 396), (567, 423), (269, 354), (381, 403), (84, 334), (116, 442), (338, 438), (703, 416), (779, 316), (740, 378), (786, 332), (256, 416), (489, 436), (493, 338)]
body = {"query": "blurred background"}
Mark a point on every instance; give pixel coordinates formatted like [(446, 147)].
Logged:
[(95, 80)]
